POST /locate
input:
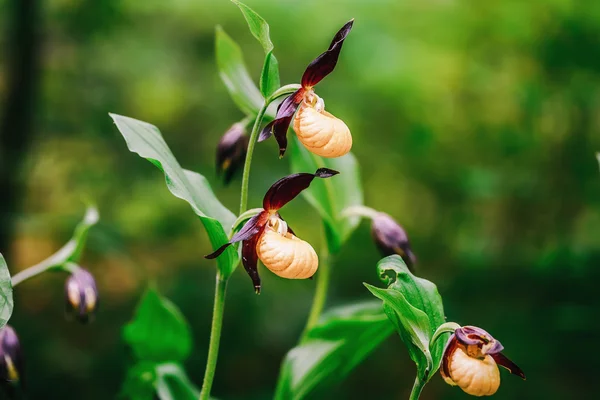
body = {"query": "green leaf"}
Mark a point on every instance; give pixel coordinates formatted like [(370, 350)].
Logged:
[(145, 139), (6, 293), (234, 74), (166, 381), (331, 196), (158, 332), (342, 339), (173, 384), (258, 26), (415, 307), (269, 77)]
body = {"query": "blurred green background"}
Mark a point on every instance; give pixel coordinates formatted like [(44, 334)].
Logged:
[(475, 124)]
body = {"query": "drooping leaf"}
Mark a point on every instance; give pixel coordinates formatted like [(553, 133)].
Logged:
[(165, 381), (158, 332), (258, 26), (269, 77), (331, 196), (234, 74), (6, 293), (415, 307), (342, 339), (145, 140)]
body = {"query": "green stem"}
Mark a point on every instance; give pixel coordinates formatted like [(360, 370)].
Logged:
[(282, 91), (36, 270), (248, 162), (215, 337), (221, 285), (320, 291), (417, 389)]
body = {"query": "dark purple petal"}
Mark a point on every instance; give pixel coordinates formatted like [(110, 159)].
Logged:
[(502, 360), (391, 238), (282, 121), (250, 228), (287, 188), (322, 66), (472, 335), (250, 259), (231, 151), (266, 132)]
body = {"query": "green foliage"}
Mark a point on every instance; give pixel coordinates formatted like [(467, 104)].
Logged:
[(331, 196), (269, 77), (159, 332), (343, 338), (258, 26), (234, 74), (415, 308), (161, 340), (145, 139), (6, 293), (168, 381)]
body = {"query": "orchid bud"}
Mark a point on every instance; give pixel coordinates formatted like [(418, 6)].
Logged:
[(391, 238), (231, 151), (471, 360), (11, 362), (284, 254), (81, 295), (319, 131)]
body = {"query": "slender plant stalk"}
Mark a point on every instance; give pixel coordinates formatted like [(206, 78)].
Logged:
[(33, 271), (320, 291), (417, 389), (215, 336), (221, 285), (248, 162)]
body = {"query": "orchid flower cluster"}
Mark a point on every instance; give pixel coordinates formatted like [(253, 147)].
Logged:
[(411, 305)]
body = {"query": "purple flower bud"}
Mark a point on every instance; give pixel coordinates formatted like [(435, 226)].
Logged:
[(231, 151), (11, 362), (81, 295), (391, 238)]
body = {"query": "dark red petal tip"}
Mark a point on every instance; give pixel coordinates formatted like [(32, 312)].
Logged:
[(322, 66), (250, 260), (504, 361), (217, 252), (326, 173), (287, 188)]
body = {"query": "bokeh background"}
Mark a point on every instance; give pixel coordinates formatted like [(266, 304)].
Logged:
[(475, 124)]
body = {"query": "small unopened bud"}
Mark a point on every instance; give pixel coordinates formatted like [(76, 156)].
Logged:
[(11, 363), (391, 238), (231, 151), (81, 295)]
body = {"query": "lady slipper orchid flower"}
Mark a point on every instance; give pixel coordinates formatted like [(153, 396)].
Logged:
[(267, 236), (319, 131), (470, 361)]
